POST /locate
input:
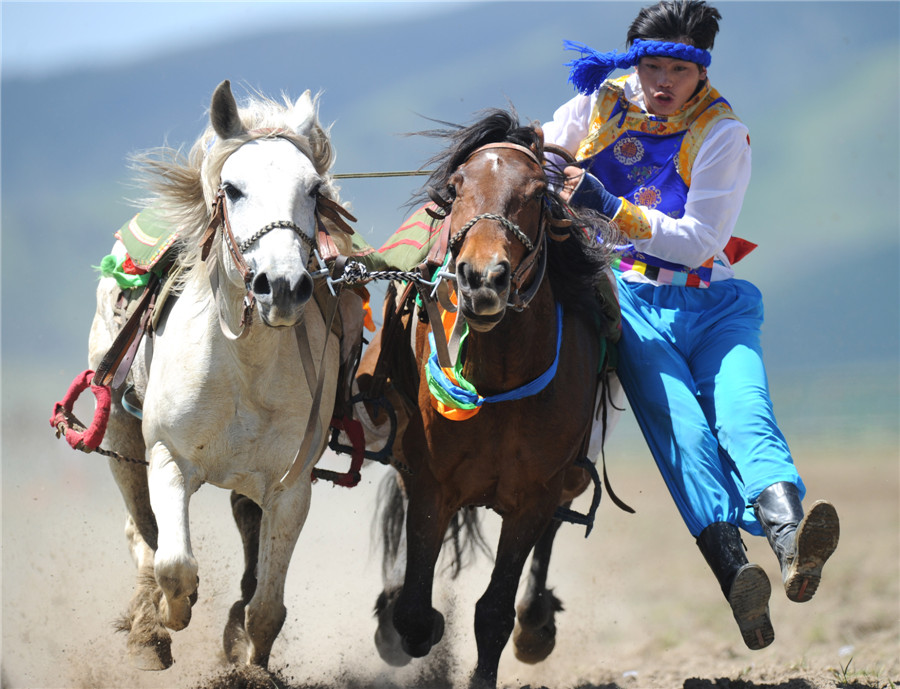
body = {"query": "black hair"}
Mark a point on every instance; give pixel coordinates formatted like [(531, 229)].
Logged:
[(691, 21)]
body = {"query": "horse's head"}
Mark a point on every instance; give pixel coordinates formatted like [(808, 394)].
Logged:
[(496, 229), (503, 197), (264, 172), (495, 188)]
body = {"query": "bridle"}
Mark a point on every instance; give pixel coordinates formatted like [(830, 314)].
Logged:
[(321, 251), (534, 263)]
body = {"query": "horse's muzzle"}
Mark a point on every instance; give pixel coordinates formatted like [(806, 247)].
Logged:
[(483, 293), (280, 300)]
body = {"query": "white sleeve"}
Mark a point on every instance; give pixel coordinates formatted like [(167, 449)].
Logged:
[(719, 179), (570, 123)]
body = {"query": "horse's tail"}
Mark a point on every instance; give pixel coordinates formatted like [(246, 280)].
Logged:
[(390, 516), (464, 532), (467, 538)]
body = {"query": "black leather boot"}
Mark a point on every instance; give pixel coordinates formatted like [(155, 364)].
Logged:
[(802, 544), (746, 586)]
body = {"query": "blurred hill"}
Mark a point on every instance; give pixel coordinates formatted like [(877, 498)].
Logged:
[(817, 83)]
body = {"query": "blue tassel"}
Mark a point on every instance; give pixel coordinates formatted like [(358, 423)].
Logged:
[(592, 68)]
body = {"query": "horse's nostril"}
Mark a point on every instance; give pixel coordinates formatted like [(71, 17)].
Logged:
[(304, 288), (463, 276), (261, 285), (499, 276)]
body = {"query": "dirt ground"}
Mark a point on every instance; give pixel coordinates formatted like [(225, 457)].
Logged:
[(642, 610)]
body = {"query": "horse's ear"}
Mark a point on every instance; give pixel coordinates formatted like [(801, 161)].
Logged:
[(537, 148), (305, 122), (223, 112), (305, 112)]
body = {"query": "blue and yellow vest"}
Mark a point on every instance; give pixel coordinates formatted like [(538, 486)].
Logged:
[(646, 160)]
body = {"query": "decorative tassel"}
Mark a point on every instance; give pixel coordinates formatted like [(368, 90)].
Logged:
[(592, 68), (111, 266)]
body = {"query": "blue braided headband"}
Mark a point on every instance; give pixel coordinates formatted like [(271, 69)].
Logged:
[(591, 69)]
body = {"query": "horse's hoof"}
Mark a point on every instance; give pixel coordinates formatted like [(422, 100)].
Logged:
[(390, 647), (533, 645), (177, 617), (387, 640), (153, 656), (234, 640), (479, 682), (534, 636), (421, 649)]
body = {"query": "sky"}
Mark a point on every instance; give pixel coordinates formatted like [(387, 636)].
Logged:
[(41, 38)]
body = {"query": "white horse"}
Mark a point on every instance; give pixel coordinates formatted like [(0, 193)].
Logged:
[(221, 408)]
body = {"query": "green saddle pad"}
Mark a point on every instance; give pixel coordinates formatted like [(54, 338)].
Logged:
[(407, 248), (147, 237)]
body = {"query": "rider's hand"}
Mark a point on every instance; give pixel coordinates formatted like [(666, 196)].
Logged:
[(574, 175)]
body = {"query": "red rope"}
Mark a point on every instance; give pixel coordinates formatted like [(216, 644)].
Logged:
[(91, 437), (354, 431)]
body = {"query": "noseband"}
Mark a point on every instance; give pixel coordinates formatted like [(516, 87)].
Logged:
[(324, 249), (535, 261), (219, 219)]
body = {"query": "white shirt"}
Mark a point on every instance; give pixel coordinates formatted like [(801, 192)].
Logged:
[(719, 180)]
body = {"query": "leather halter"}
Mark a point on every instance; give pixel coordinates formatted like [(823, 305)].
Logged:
[(325, 207), (535, 261)]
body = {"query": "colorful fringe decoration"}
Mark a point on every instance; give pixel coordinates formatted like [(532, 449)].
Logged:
[(456, 399), (127, 275)]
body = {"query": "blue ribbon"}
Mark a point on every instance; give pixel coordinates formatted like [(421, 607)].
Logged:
[(527, 390)]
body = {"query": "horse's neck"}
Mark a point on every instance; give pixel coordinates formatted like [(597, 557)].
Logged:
[(519, 349)]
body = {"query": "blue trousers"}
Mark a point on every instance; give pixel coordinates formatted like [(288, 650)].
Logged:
[(691, 365)]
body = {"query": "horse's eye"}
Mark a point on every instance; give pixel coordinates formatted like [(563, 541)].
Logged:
[(316, 190), (451, 192), (231, 191)]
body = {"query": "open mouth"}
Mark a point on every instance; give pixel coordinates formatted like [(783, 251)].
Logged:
[(480, 322), (663, 98)]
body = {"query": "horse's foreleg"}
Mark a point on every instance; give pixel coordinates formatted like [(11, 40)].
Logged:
[(534, 635), (282, 521), (495, 611), (248, 518), (387, 641), (149, 644), (419, 625), (175, 566)]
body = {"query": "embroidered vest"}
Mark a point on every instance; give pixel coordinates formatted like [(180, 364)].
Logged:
[(647, 160)]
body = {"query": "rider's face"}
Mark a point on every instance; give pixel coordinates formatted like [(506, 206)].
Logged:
[(668, 83)]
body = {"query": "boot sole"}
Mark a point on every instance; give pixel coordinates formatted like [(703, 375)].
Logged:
[(749, 600), (817, 538)]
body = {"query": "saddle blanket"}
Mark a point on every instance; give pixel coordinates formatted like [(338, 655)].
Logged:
[(406, 248), (147, 237)]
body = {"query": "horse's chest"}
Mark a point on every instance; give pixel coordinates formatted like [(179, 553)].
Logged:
[(223, 409), (491, 444)]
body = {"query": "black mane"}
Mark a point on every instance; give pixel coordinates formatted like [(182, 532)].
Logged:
[(494, 126)]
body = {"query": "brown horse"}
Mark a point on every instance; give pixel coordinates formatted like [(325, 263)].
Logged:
[(528, 271)]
